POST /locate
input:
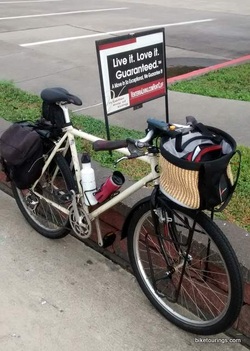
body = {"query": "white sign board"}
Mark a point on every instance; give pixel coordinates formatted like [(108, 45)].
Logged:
[(132, 69)]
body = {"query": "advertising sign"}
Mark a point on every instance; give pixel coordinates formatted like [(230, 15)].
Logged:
[(132, 69)]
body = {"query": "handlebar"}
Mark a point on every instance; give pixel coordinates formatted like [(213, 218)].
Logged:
[(155, 129), (108, 145)]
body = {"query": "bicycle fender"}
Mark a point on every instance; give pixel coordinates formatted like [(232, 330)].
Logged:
[(124, 232)]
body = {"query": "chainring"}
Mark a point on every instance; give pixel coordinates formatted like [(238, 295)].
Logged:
[(83, 229)]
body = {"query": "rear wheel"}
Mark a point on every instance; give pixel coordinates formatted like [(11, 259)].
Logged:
[(187, 269), (54, 186)]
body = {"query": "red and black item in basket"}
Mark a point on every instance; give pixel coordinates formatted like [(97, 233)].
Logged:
[(195, 168)]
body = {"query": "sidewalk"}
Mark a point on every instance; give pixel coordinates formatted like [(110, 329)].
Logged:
[(113, 219), (62, 296), (230, 115)]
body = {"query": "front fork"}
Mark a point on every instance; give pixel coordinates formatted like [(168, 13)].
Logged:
[(160, 218), (171, 234)]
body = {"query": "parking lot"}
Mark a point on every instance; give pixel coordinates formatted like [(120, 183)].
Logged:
[(47, 43)]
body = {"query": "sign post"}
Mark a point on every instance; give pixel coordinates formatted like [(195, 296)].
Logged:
[(132, 71)]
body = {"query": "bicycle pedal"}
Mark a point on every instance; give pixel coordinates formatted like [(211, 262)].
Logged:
[(64, 197), (108, 239)]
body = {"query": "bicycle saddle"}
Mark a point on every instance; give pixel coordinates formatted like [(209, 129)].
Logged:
[(56, 95)]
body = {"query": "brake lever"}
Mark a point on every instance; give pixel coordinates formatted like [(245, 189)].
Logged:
[(119, 160), (130, 157), (136, 150)]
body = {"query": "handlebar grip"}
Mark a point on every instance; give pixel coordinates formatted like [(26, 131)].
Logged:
[(108, 145)]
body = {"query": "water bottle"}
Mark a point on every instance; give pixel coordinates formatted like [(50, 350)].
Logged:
[(88, 180), (111, 185)]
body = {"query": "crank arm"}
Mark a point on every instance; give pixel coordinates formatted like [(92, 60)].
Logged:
[(74, 205)]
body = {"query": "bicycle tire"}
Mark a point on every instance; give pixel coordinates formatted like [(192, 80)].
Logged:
[(42, 216), (211, 292)]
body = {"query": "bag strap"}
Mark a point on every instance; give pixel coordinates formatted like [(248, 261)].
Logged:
[(225, 203), (25, 123), (217, 139), (206, 134), (181, 147)]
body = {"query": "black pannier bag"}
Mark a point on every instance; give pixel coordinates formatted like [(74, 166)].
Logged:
[(21, 150), (195, 168)]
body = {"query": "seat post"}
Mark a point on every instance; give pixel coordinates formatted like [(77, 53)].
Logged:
[(66, 113)]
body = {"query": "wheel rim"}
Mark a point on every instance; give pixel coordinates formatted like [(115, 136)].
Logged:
[(205, 292), (42, 212)]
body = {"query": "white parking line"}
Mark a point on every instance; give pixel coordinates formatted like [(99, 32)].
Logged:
[(130, 30), (62, 13), (21, 2)]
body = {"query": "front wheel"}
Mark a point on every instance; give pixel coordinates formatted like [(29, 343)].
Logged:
[(186, 267), (42, 212)]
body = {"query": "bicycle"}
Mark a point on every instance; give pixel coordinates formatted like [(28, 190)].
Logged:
[(182, 261)]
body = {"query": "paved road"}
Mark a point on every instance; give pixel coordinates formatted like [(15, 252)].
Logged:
[(201, 33)]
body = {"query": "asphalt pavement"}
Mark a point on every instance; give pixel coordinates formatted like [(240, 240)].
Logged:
[(230, 115), (52, 43)]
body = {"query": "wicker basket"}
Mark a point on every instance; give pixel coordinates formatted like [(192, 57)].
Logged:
[(203, 184), (180, 185)]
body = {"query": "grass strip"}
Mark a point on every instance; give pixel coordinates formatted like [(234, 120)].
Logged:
[(228, 83), (16, 105)]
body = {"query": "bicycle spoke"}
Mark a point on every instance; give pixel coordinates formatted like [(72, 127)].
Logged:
[(40, 207), (196, 284)]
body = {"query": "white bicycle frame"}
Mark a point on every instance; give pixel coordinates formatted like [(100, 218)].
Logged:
[(69, 137)]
